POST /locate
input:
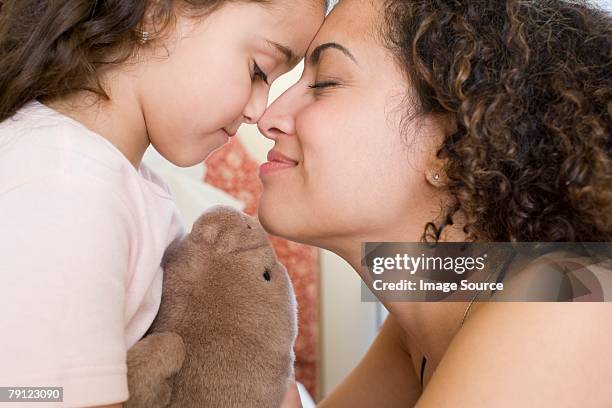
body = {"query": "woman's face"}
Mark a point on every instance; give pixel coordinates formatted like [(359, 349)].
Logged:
[(351, 171), (211, 75)]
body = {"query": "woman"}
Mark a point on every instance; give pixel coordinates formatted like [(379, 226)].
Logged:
[(457, 121)]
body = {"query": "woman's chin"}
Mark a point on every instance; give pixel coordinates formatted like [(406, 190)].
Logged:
[(277, 223), (270, 221)]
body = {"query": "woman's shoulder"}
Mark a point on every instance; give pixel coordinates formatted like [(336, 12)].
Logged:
[(534, 346), (531, 347)]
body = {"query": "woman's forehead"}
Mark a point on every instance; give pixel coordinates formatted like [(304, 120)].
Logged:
[(354, 25), (354, 20)]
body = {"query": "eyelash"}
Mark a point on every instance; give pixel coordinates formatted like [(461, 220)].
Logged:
[(326, 84), (258, 72)]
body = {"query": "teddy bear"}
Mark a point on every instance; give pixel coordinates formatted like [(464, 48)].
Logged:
[(226, 326)]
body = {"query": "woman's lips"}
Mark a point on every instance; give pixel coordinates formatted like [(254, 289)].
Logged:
[(276, 162)]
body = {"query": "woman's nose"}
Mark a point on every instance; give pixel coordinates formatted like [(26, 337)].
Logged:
[(279, 118)]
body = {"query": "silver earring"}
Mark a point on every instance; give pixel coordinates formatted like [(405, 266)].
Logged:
[(144, 36), (436, 177)]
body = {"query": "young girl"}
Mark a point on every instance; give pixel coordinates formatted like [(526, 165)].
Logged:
[(85, 87)]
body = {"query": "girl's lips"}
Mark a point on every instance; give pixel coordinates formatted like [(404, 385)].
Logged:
[(276, 162)]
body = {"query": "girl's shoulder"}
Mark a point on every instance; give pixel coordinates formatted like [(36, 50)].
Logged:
[(38, 140), (39, 130)]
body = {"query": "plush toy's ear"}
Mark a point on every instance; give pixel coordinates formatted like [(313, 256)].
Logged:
[(205, 233)]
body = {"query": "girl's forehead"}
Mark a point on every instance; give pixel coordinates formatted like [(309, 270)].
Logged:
[(296, 22)]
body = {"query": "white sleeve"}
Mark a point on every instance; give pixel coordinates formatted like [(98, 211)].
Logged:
[(64, 255)]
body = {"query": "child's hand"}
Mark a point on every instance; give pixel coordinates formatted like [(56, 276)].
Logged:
[(151, 364)]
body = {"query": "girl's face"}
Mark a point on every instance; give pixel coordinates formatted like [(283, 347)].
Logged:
[(198, 90), (352, 170)]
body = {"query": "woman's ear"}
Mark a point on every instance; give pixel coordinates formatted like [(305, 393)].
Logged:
[(435, 176), (442, 126)]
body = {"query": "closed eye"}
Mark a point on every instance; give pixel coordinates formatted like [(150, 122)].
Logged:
[(258, 73), (325, 84)]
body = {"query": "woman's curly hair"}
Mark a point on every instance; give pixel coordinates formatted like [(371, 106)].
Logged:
[(528, 84)]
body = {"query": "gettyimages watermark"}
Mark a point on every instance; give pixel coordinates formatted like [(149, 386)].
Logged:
[(458, 271)]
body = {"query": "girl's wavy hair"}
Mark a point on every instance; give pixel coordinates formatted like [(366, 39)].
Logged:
[(51, 48), (528, 85)]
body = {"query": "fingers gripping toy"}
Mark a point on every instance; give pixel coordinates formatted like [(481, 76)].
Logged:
[(225, 330)]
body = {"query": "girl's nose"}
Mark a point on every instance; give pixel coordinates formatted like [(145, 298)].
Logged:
[(256, 105)]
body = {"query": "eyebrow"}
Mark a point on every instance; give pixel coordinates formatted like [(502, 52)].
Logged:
[(316, 54), (290, 56)]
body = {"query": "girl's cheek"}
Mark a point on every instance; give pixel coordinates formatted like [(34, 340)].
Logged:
[(232, 100), (242, 92)]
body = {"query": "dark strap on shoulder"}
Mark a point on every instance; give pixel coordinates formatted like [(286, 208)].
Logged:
[(423, 362)]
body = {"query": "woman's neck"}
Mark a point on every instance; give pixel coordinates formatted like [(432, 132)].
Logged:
[(429, 326)]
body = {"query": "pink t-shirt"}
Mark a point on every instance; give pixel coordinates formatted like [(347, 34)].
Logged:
[(82, 235)]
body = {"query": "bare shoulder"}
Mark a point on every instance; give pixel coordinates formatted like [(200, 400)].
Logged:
[(512, 354)]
